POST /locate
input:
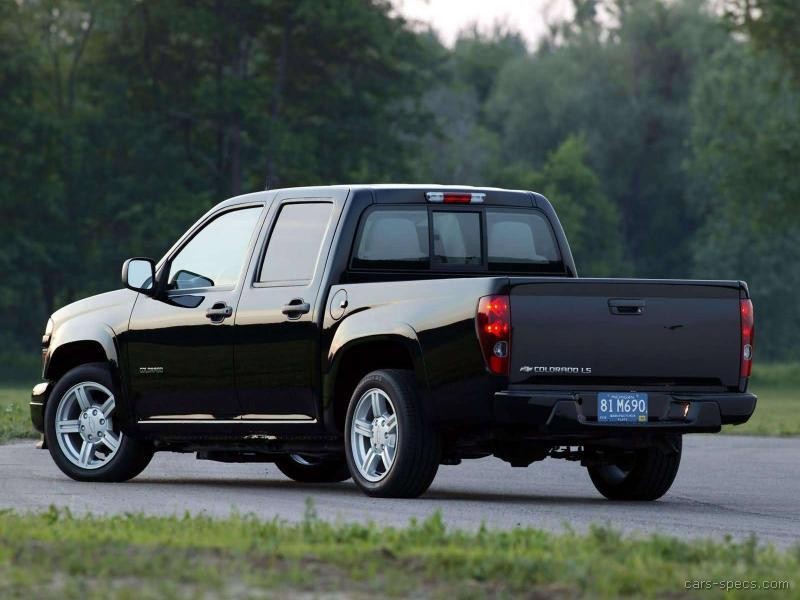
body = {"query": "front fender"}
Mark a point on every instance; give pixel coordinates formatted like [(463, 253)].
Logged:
[(87, 331), (78, 332), (77, 344)]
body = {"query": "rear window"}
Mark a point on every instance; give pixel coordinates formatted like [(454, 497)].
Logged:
[(457, 238), (519, 240), (481, 239), (393, 239)]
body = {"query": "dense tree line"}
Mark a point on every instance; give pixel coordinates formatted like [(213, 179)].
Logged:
[(667, 133)]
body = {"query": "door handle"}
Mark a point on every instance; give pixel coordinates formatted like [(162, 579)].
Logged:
[(295, 308), (626, 306), (219, 312)]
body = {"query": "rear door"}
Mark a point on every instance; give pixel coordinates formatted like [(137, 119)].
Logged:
[(277, 329), (625, 333)]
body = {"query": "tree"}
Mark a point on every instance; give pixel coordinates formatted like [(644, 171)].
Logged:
[(123, 121), (745, 148), (459, 147), (626, 88), (772, 24), (590, 220)]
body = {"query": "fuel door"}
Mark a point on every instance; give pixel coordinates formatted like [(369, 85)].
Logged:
[(338, 305)]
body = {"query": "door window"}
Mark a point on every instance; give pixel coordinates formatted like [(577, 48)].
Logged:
[(215, 255), (294, 246)]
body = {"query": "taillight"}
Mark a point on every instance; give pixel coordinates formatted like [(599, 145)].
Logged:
[(455, 197), (494, 332), (748, 334)]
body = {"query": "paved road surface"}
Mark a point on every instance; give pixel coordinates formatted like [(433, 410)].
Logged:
[(726, 485)]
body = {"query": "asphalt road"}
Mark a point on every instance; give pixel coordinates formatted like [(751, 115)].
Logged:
[(726, 485)]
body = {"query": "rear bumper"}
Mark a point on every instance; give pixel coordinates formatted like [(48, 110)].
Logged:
[(39, 397), (555, 413)]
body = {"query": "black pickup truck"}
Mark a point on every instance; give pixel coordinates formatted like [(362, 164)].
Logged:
[(378, 331)]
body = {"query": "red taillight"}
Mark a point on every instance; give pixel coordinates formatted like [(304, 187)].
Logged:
[(748, 336), (494, 332), (457, 198)]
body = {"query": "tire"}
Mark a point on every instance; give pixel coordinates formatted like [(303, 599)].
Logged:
[(646, 475), (91, 385), (313, 470), (414, 457)]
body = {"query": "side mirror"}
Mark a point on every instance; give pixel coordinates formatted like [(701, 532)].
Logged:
[(139, 275)]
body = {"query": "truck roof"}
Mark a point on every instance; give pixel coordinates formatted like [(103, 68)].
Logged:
[(401, 193)]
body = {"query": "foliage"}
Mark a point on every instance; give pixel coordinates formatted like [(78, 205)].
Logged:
[(665, 133), (590, 220), (773, 25), (746, 186), (122, 122), (625, 90), (57, 553)]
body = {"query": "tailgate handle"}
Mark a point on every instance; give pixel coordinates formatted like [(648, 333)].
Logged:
[(626, 306)]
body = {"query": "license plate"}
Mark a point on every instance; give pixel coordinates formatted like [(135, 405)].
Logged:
[(621, 407)]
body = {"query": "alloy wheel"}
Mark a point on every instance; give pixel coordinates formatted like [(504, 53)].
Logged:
[(84, 425), (373, 435)]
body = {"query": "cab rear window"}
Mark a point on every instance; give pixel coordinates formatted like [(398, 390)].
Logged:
[(393, 238), (493, 239), (457, 238), (520, 240)]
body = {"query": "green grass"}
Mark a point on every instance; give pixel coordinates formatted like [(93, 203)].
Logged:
[(15, 415), (778, 409), (777, 412), (55, 554)]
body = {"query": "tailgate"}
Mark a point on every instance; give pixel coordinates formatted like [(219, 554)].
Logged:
[(625, 333)]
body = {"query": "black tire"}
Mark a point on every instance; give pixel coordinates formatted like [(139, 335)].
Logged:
[(131, 457), (313, 470), (646, 474), (418, 445)]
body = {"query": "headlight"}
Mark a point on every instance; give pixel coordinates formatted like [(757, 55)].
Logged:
[(48, 331)]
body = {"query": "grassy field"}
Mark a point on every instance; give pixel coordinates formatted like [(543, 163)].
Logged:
[(15, 416), (54, 554), (778, 408), (777, 386)]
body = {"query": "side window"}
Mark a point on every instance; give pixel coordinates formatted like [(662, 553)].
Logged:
[(294, 246), (215, 255), (393, 239), (457, 238)]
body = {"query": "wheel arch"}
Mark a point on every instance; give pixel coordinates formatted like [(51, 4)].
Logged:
[(357, 357), (72, 354), (72, 347)]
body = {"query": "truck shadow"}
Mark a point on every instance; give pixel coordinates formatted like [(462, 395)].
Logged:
[(432, 497)]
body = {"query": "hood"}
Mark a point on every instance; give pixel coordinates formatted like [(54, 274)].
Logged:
[(110, 302)]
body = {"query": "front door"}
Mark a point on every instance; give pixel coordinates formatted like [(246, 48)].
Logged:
[(277, 352), (180, 343)]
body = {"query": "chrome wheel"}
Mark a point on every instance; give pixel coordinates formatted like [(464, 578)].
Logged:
[(84, 425), (373, 435)]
